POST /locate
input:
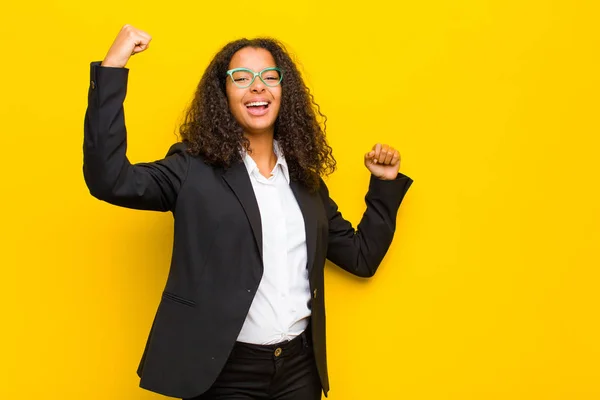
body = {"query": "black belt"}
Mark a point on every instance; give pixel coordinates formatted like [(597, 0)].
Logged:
[(273, 351)]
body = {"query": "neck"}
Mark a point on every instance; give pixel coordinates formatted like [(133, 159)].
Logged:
[(261, 151)]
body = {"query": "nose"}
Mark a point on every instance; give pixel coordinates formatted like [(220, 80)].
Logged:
[(257, 86)]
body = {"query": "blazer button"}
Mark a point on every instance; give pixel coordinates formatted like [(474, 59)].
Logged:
[(93, 85), (315, 293), (277, 352)]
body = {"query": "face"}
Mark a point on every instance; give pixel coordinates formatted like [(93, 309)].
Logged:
[(248, 104)]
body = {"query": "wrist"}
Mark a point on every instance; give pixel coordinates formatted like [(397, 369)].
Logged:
[(107, 62), (386, 178)]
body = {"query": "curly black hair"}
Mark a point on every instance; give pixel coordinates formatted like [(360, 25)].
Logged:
[(210, 130)]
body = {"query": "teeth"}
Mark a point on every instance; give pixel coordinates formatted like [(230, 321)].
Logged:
[(257, 103)]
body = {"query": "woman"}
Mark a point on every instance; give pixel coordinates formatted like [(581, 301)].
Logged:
[(242, 315)]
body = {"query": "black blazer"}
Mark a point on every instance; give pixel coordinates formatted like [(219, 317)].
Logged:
[(217, 250)]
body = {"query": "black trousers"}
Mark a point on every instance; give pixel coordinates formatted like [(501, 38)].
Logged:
[(283, 371)]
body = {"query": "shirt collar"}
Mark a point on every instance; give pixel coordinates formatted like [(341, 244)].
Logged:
[(251, 165)]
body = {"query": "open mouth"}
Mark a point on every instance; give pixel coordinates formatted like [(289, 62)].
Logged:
[(257, 107)]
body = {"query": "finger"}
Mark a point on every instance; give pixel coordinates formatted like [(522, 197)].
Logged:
[(140, 46), (143, 40), (377, 150), (388, 157), (383, 153), (145, 35), (395, 158)]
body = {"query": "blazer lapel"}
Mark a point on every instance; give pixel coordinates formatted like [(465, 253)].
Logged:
[(306, 203), (238, 180)]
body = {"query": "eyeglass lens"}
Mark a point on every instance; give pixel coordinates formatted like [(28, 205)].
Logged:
[(244, 78)]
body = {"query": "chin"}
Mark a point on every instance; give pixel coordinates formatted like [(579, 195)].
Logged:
[(259, 128)]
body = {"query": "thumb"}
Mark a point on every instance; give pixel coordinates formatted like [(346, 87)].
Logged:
[(139, 47), (370, 157)]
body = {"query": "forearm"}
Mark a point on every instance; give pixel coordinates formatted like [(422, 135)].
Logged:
[(105, 136), (361, 251)]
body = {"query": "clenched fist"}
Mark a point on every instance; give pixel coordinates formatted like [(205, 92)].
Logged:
[(129, 41), (383, 161)]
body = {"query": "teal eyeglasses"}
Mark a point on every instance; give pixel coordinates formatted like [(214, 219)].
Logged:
[(244, 77)]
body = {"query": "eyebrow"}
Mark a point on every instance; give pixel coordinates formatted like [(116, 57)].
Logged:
[(262, 69)]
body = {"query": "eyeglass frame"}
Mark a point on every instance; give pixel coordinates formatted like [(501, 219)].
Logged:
[(259, 74)]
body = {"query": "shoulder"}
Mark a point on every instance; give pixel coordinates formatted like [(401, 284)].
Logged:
[(181, 152), (182, 149), (323, 191), (178, 148)]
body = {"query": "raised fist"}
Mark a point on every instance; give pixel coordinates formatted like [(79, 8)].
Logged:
[(128, 42)]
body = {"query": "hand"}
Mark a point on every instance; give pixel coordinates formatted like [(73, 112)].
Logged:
[(383, 162), (129, 41)]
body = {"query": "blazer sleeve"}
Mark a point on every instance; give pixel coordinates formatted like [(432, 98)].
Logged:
[(107, 172), (361, 251)]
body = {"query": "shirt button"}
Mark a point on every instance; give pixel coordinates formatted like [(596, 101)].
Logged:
[(315, 293)]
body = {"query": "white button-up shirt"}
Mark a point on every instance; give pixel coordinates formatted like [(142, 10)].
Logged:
[(279, 311)]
